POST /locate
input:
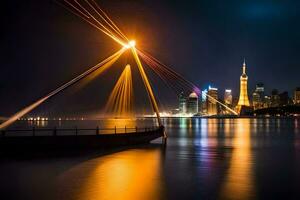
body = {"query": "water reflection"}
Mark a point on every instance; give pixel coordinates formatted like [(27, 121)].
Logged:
[(238, 183), (296, 124), (132, 174), (227, 127), (214, 159)]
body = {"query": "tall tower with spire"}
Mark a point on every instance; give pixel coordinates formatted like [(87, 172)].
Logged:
[(243, 100)]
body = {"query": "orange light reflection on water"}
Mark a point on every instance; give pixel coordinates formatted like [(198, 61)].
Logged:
[(238, 183), (132, 174)]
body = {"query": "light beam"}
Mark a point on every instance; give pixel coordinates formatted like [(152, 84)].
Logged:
[(29, 108), (120, 99), (147, 85)]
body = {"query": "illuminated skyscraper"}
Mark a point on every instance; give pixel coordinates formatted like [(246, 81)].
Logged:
[(212, 108), (243, 100), (182, 103), (204, 102), (267, 102), (228, 97), (258, 96), (256, 101), (297, 96), (260, 88), (228, 101)]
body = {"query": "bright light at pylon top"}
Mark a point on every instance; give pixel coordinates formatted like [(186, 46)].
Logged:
[(130, 44)]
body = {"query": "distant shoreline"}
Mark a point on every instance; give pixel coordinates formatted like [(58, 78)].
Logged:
[(175, 117), (236, 117)]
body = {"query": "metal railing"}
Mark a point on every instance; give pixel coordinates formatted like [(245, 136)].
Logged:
[(74, 131)]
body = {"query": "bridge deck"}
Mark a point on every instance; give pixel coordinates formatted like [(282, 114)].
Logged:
[(77, 141)]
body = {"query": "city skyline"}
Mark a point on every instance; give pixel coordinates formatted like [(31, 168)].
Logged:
[(252, 86), (209, 101)]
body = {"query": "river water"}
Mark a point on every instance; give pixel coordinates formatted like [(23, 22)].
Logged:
[(203, 159)]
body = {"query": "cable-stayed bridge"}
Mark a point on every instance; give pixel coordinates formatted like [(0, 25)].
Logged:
[(93, 14)]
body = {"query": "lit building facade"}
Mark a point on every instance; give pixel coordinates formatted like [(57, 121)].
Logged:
[(182, 103), (260, 88), (256, 100), (243, 99), (267, 102), (212, 107), (203, 108), (192, 103), (296, 98), (258, 96), (228, 97)]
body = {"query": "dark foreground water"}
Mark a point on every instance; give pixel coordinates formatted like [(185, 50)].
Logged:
[(203, 159)]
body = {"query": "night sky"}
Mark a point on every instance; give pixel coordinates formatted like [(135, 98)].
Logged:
[(43, 45)]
